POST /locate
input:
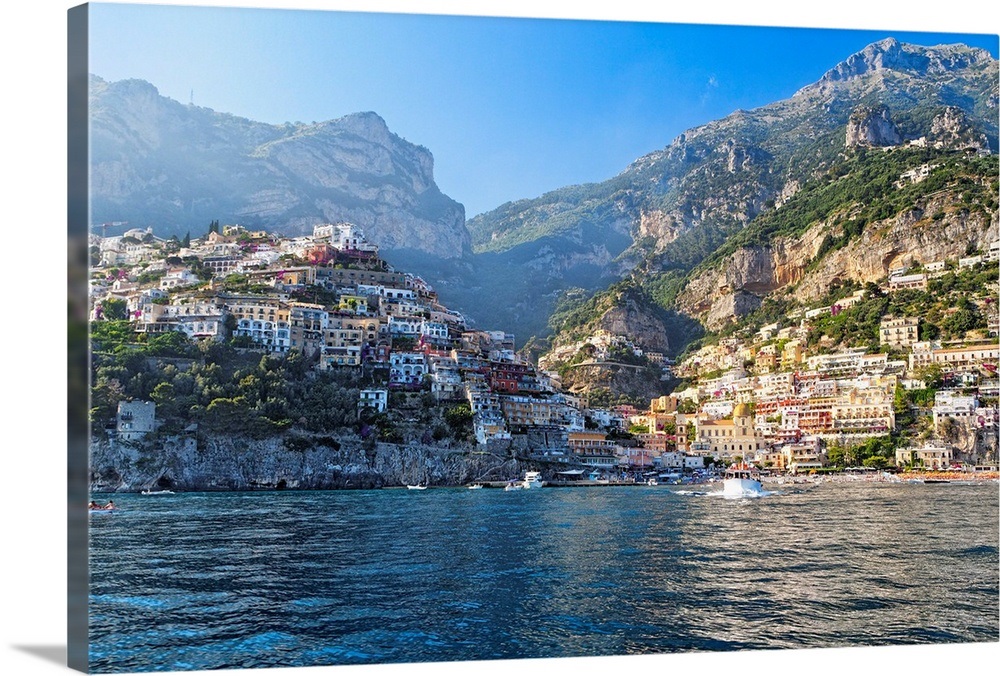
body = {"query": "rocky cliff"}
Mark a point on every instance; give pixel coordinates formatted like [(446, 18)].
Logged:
[(177, 166), (871, 126), (934, 229), (240, 463), (952, 128), (638, 384)]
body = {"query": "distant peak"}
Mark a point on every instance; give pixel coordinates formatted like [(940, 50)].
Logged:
[(891, 54), (366, 123), (366, 115)]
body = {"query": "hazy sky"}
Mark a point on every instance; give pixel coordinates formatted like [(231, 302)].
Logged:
[(509, 107)]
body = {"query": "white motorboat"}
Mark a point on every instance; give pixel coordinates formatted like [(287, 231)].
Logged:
[(418, 487), (742, 481), (533, 480), (512, 486), (475, 487), (166, 492)]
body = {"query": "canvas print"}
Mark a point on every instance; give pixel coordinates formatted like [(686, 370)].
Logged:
[(426, 338)]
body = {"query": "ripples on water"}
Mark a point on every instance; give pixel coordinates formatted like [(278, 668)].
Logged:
[(207, 581)]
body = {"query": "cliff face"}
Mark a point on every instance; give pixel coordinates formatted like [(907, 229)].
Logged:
[(738, 287), (640, 384), (869, 126), (180, 167), (235, 463), (934, 231), (638, 322), (912, 237), (953, 128)]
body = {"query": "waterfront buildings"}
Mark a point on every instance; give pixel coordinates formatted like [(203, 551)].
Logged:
[(775, 396)]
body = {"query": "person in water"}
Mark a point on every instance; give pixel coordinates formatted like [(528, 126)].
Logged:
[(94, 505), (110, 505)]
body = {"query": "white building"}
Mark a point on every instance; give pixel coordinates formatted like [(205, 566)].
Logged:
[(954, 405), (377, 399), (407, 368)]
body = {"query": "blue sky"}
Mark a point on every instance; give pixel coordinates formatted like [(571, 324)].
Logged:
[(509, 107)]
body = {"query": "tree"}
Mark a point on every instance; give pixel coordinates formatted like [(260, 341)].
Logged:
[(108, 335), (114, 309), (164, 396), (965, 318), (836, 455), (929, 331), (876, 461), (186, 242), (687, 406), (459, 416)]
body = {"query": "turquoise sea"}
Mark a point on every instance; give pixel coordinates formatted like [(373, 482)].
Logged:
[(224, 580)]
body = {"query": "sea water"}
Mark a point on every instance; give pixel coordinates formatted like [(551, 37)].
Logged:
[(219, 580)]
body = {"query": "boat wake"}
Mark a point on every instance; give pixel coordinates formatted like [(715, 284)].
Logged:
[(729, 496), (740, 496)]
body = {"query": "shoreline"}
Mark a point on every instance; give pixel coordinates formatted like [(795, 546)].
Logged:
[(977, 478)]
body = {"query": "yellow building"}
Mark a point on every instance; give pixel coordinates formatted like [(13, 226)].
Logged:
[(730, 437), (664, 404)]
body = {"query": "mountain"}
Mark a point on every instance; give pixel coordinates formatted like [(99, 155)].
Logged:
[(158, 162), (657, 224), (672, 208)]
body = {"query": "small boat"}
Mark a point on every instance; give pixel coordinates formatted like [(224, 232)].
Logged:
[(937, 481), (475, 487), (741, 481), (652, 482), (512, 486), (418, 487), (164, 492)]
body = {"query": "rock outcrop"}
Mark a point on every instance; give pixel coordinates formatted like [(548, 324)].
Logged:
[(643, 327), (914, 236), (953, 129), (241, 463), (641, 384), (871, 126)]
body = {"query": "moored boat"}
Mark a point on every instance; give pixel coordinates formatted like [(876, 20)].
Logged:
[(533, 480), (417, 487), (475, 487)]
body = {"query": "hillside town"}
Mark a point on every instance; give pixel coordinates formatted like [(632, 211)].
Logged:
[(770, 398)]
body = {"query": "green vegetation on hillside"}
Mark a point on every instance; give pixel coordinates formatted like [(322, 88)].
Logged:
[(222, 389), (861, 188)]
